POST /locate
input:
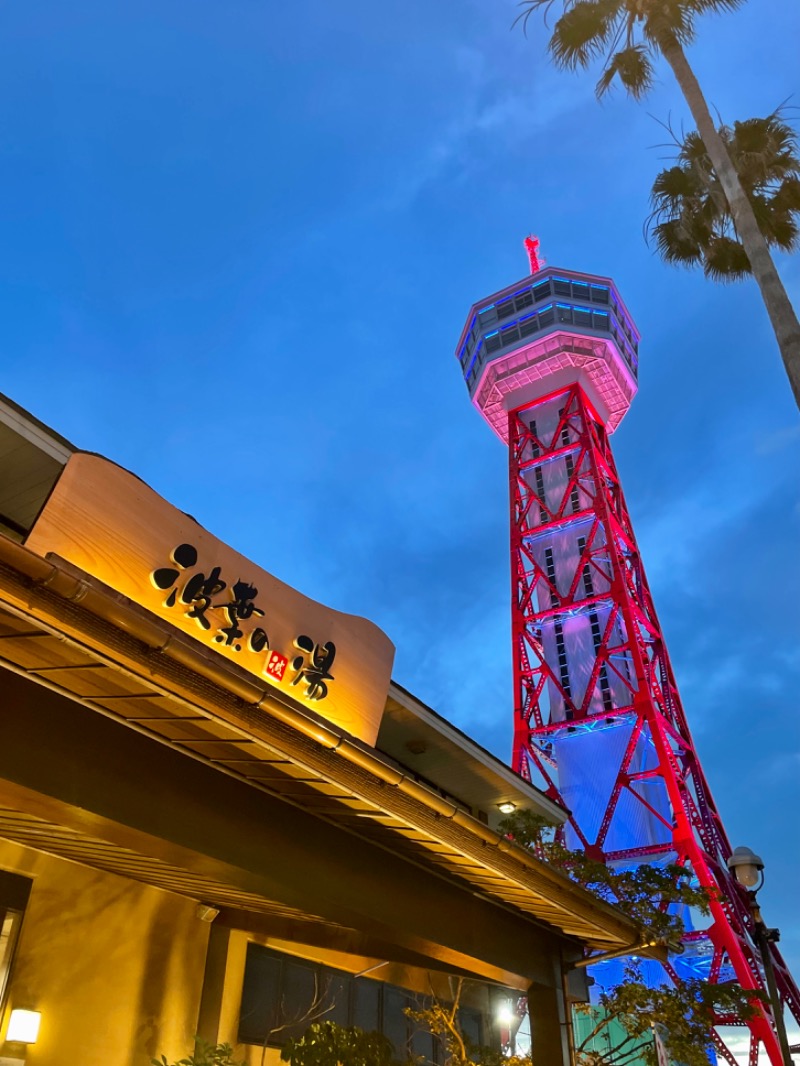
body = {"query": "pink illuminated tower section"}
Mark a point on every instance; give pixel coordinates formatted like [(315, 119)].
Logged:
[(552, 365)]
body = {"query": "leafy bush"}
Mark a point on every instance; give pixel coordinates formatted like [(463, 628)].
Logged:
[(329, 1044), (204, 1055), (654, 897)]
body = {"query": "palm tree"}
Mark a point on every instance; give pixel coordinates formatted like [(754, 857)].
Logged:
[(691, 222), (630, 34)]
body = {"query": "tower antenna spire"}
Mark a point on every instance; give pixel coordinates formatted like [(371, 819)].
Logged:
[(534, 257)]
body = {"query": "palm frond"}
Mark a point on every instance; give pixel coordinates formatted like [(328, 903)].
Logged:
[(675, 185), (787, 196), (531, 7), (726, 260), (714, 7), (764, 150), (693, 148), (784, 233), (583, 32), (633, 67), (674, 245), (670, 20), (675, 19), (691, 221)]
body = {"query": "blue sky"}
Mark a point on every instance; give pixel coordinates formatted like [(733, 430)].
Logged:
[(237, 245)]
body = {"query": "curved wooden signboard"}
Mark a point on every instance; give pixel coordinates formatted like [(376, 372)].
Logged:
[(112, 525)]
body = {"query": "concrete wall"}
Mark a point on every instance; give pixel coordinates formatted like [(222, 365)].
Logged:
[(114, 966)]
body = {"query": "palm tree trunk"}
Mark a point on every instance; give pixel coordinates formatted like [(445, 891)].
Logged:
[(779, 306)]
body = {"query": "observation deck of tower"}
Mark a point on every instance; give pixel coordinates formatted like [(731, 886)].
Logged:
[(552, 364)]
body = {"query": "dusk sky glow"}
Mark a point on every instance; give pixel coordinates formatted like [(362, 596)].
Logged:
[(239, 243)]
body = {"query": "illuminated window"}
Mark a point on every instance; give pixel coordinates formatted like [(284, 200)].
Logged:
[(543, 515), (574, 496), (597, 636), (536, 451), (564, 429), (14, 892), (558, 631)]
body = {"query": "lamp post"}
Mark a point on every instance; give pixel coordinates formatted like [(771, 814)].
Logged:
[(748, 869)]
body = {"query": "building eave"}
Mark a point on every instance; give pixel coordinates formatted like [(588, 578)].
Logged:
[(157, 662)]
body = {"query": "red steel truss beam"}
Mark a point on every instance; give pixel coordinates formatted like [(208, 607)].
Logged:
[(630, 648)]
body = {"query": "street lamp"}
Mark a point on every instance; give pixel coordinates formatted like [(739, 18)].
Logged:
[(748, 869)]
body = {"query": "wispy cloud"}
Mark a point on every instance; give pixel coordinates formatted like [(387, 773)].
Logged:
[(778, 440)]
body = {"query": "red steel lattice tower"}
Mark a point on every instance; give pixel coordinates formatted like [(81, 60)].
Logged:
[(552, 365)]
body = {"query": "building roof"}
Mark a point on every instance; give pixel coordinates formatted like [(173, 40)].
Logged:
[(412, 734), (424, 790), (441, 754), (31, 458), (64, 629)]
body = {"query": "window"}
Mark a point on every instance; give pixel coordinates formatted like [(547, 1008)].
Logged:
[(562, 287), (541, 292), (366, 1004), (588, 583), (550, 570), (471, 1025), (558, 632), (580, 290), (14, 892), (574, 496), (564, 428), (283, 995), (543, 515), (536, 451)]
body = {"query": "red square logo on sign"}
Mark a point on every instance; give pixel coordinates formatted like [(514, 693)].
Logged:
[(276, 665)]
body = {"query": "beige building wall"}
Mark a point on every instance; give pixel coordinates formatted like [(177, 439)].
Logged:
[(248, 1054), (114, 966), (122, 972)]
